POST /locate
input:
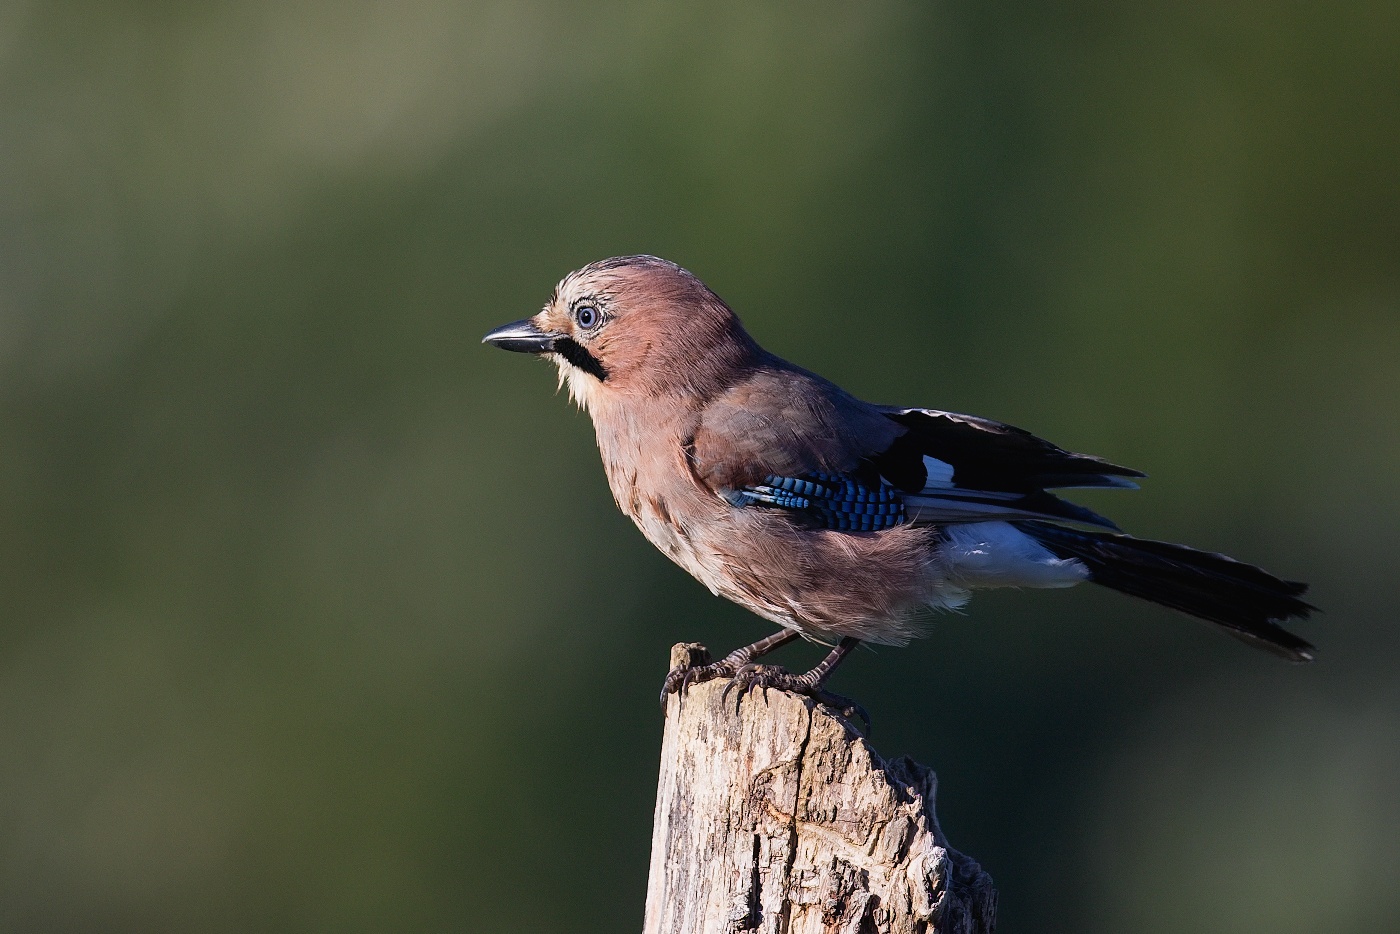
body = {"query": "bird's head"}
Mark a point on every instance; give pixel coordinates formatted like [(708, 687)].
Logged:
[(633, 326)]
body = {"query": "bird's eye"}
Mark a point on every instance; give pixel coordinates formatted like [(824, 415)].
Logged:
[(587, 317)]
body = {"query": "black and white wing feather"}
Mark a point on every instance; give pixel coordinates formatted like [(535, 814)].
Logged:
[(955, 468)]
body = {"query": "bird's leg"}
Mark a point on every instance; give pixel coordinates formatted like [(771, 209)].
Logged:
[(752, 676), (683, 676)]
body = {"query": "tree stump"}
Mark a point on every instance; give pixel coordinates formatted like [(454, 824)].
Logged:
[(773, 815)]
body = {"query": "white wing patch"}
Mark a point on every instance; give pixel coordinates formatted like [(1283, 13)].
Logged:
[(997, 554), (940, 473)]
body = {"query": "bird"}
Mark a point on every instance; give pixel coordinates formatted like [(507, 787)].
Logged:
[(842, 521)]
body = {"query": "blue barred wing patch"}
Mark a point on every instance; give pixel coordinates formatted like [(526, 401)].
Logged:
[(830, 501)]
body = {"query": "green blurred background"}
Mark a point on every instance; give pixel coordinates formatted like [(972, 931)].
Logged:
[(317, 615)]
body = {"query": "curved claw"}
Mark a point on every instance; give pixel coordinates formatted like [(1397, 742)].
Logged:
[(679, 680), (748, 677), (846, 707), (751, 677), (771, 676)]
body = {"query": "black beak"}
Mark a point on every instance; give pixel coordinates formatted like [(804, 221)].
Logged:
[(522, 337)]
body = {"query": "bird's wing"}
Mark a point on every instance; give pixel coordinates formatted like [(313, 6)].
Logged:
[(827, 501), (988, 455), (788, 440), (780, 421), (952, 466)]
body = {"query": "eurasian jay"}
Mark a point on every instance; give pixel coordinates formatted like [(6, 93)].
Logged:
[(839, 520)]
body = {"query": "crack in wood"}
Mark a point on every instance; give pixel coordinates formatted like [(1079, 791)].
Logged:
[(777, 818)]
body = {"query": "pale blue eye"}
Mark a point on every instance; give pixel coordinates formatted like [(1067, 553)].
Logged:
[(587, 317)]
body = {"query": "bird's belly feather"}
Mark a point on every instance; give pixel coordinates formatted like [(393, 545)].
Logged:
[(825, 584)]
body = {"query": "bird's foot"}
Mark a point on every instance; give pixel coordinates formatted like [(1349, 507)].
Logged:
[(751, 677), (679, 679), (691, 664)]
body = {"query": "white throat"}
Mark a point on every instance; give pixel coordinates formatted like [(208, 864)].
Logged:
[(583, 387)]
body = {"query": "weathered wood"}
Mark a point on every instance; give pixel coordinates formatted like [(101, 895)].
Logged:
[(774, 816)]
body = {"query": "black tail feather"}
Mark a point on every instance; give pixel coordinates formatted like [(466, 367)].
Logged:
[(1247, 601)]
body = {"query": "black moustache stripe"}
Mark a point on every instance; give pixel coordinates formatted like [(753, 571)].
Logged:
[(572, 351)]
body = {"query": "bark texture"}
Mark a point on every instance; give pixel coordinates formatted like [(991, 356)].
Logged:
[(773, 815)]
